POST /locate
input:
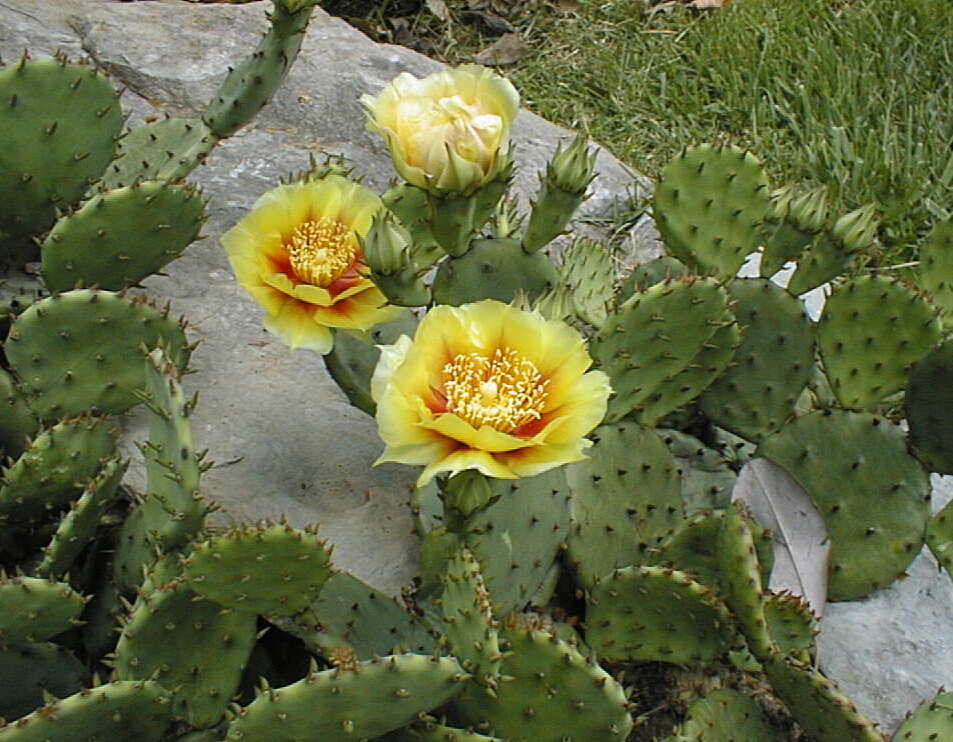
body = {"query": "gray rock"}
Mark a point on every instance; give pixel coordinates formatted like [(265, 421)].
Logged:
[(285, 440)]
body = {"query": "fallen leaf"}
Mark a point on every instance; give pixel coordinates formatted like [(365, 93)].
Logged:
[(508, 49), (801, 544), (439, 9), (708, 3)]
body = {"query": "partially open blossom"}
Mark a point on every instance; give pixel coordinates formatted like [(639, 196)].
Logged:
[(487, 386), (449, 132), (298, 254)]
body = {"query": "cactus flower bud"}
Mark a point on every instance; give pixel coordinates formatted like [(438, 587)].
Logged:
[(573, 169), (856, 229), (387, 252), (293, 6), (808, 212), (449, 132)]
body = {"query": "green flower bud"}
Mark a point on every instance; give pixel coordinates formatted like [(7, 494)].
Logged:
[(808, 212), (574, 168), (293, 6), (386, 246), (856, 229)]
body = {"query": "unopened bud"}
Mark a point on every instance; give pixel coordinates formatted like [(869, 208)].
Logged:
[(808, 212), (856, 229), (386, 246), (293, 6), (573, 169)]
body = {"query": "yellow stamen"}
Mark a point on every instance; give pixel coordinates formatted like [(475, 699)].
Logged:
[(321, 250), (504, 391)]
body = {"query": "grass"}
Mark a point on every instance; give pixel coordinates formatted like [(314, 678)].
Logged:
[(857, 95)]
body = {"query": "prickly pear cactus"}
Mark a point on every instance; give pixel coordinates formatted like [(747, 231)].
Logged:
[(928, 401), (709, 205)]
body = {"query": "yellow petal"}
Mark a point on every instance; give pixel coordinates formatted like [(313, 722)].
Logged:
[(295, 325), (390, 358), (464, 459)]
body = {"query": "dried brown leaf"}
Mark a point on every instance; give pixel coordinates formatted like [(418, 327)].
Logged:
[(508, 49), (439, 9)]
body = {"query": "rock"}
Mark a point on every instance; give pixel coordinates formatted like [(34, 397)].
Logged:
[(285, 440), (892, 650)]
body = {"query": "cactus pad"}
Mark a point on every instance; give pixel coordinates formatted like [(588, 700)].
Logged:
[(82, 350), (121, 236), (35, 609), (60, 124), (815, 703), (625, 499), (932, 720), (266, 569), (936, 269), (726, 714), (929, 401), (123, 709), (168, 149), (194, 646), (555, 695), (709, 204), (871, 330), (330, 704), (493, 269), (873, 496), (654, 335), (18, 421), (28, 670), (78, 527), (587, 270), (55, 467), (656, 614), (757, 394)]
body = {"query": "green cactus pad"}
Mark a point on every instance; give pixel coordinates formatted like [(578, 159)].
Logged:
[(693, 547), (939, 537), (928, 402), (873, 495), (728, 715), (78, 527), (352, 614), (82, 350), (758, 393), (793, 223), (352, 360), (168, 149), (411, 205), (18, 422), (936, 269), (709, 204), (138, 710), (707, 479), (332, 705), (626, 498), (171, 512), (656, 614), (555, 695), (714, 358), (648, 274), (55, 468), (469, 629), (193, 646), (930, 722), (792, 623), (654, 335), (28, 670), (251, 83), (823, 261), (587, 270), (493, 269), (268, 569), (121, 236), (740, 579), (871, 330), (60, 124), (517, 539), (815, 703), (34, 609)]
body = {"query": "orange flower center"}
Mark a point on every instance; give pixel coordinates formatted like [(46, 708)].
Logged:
[(321, 250), (503, 391)]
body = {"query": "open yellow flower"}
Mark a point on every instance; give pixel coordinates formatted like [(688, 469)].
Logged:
[(490, 387), (297, 253), (449, 132)]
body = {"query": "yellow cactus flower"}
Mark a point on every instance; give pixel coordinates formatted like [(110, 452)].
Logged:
[(449, 132), (297, 253), (487, 386)]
